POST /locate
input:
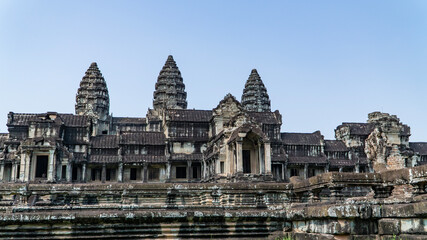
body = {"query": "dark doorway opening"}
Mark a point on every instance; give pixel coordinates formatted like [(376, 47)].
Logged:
[(74, 173), (181, 172), (41, 166), (64, 172), (133, 174), (246, 161)]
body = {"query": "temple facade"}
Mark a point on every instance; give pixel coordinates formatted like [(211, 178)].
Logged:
[(236, 141)]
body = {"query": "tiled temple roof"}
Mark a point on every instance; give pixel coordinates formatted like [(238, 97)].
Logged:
[(142, 138), (419, 147), (129, 120), (79, 157), (266, 117), (105, 141), (335, 146), (302, 138), (69, 120), (189, 115)]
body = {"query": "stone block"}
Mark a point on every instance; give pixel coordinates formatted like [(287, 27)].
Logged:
[(364, 227), (363, 237), (402, 210), (388, 226), (413, 225), (311, 236)]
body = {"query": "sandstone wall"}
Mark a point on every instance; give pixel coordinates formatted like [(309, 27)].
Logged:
[(328, 206)]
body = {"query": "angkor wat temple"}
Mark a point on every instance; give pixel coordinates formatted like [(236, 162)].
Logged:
[(224, 172)]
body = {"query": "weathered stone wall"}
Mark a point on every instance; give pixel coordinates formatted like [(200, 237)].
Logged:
[(327, 206)]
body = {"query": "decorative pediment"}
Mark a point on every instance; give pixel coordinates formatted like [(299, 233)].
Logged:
[(228, 107)]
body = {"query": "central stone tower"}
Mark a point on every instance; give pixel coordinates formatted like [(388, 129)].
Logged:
[(255, 97), (170, 90), (92, 99)]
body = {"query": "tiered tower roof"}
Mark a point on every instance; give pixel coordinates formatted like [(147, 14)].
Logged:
[(170, 89), (255, 97), (92, 96)]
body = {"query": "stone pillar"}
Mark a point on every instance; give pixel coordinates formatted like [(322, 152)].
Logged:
[(286, 172), (239, 156), (204, 169), (120, 173), (188, 171), (69, 175), (306, 171), (103, 173), (51, 167), (341, 168), (327, 168), (84, 172), (145, 179), (25, 172), (260, 159), (357, 167), (283, 171), (2, 171), (14, 172), (227, 162), (168, 171), (267, 158)]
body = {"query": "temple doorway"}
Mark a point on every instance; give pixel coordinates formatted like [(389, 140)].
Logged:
[(246, 161), (41, 166)]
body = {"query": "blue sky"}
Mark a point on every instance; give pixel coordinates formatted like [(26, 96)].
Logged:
[(323, 62)]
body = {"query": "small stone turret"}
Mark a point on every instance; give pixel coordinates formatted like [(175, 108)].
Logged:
[(255, 97), (92, 98), (170, 90)]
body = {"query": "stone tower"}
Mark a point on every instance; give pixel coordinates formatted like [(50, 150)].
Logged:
[(170, 89), (255, 97), (93, 100)]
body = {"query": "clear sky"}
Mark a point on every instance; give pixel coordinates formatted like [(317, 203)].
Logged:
[(323, 62)]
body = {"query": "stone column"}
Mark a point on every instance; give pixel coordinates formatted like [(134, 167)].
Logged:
[(103, 173), (306, 171), (267, 158), (120, 173), (204, 169), (260, 159), (26, 170), (286, 172), (188, 171), (51, 167), (84, 172), (145, 179), (14, 172), (341, 168), (327, 168), (357, 167), (69, 175), (283, 171), (239, 147), (2, 171), (168, 171)]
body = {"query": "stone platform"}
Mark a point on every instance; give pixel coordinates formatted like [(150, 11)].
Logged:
[(328, 206)]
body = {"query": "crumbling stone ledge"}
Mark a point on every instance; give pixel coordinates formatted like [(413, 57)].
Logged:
[(328, 206)]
